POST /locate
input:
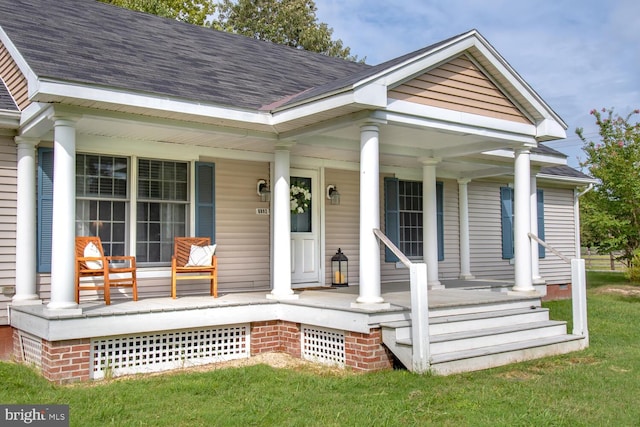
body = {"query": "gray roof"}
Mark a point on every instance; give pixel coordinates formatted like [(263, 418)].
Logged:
[(85, 41), (6, 101), (566, 171)]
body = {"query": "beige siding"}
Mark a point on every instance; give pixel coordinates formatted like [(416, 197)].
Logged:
[(485, 236), (342, 222), (459, 85), (242, 236), (449, 268), (559, 228), (8, 197), (13, 79)]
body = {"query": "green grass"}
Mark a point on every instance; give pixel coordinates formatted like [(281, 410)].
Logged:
[(598, 386)]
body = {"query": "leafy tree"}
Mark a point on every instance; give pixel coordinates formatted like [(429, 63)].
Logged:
[(610, 214), (288, 22), (196, 12)]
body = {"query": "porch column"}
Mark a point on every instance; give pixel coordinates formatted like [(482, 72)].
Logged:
[(430, 221), (535, 264), (64, 215), (463, 213), (281, 259), (369, 215), (522, 221), (26, 224)]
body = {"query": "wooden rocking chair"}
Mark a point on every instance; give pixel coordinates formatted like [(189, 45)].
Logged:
[(184, 266), (91, 262)]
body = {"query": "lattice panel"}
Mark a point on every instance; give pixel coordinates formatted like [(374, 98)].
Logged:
[(323, 345), (115, 356), (31, 349)]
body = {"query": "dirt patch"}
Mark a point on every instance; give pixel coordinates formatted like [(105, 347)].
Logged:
[(622, 290)]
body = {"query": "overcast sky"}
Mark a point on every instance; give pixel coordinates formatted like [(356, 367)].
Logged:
[(576, 54)]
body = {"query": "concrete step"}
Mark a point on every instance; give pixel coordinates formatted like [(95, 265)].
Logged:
[(499, 355)]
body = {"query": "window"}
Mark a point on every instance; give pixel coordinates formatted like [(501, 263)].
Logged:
[(403, 217), (102, 199), (506, 202), (161, 208)]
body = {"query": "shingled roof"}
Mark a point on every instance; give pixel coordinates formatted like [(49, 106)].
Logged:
[(6, 101), (88, 42)]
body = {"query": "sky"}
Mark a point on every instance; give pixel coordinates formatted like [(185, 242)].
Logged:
[(578, 55)]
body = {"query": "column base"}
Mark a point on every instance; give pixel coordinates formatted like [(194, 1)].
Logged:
[(371, 305), (435, 285), (466, 277), (62, 309), (524, 292), (26, 300), (539, 281), (283, 297)]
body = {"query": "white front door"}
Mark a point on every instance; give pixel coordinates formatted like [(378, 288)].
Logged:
[(305, 233)]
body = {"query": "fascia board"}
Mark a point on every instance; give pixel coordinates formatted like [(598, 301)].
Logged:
[(319, 106), (567, 179), (9, 119), (111, 96), (465, 122)]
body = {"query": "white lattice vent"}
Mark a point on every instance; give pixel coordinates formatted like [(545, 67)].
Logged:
[(323, 345), (115, 356), (31, 349)]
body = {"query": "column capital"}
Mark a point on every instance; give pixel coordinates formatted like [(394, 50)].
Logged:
[(64, 119), (25, 142), (522, 150), (429, 161), (464, 181), (285, 145)]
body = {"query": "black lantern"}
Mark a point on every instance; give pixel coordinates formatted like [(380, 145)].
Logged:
[(339, 269)]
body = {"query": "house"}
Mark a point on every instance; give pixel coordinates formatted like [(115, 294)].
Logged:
[(140, 129)]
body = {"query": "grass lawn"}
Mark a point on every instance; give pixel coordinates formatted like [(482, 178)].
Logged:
[(595, 387)]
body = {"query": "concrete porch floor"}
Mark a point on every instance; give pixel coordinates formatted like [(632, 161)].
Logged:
[(456, 293)]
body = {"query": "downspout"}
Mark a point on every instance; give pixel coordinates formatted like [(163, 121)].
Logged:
[(576, 216)]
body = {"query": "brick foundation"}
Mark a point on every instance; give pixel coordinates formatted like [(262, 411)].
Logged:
[(365, 352), (556, 292), (275, 336), (6, 342)]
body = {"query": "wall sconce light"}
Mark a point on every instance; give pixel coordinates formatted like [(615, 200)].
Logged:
[(262, 188), (333, 195)]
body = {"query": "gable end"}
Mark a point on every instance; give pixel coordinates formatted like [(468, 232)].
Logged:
[(459, 85), (14, 79)]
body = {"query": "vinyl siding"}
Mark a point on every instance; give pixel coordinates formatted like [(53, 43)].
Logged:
[(559, 227), (485, 232), (8, 203), (459, 85), (342, 222), (13, 79)]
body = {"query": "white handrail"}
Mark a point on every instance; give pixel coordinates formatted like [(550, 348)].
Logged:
[(393, 248), (551, 248)]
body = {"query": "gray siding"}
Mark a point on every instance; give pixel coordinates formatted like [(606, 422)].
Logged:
[(8, 202), (559, 223)]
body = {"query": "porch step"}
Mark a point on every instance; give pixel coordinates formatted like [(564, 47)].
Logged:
[(499, 355), (473, 341)]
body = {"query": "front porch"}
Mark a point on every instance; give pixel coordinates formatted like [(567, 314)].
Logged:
[(483, 328)]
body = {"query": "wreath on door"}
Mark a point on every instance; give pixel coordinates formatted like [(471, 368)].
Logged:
[(300, 199)]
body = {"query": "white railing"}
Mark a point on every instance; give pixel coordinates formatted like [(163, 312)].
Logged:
[(421, 354), (578, 290)]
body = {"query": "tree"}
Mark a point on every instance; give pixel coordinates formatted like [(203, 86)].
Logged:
[(610, 213), (196, 12), (288, 22)]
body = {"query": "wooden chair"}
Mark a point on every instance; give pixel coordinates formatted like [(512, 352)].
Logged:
[(98, 265), (180, 259)]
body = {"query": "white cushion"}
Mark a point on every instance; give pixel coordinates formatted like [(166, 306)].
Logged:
[(200, 256), (92, 251)]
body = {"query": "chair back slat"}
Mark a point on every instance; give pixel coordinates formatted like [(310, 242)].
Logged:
[(82, 242), (182, 247)]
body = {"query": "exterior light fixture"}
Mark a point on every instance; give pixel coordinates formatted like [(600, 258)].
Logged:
[(339, 269), (262, 188), (333, 194)]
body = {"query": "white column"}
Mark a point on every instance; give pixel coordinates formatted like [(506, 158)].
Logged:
[(535, 265), (281, 227), (64, 214), (370, 292), (463, 213), (26, 224), (522, 221), (430, 221)]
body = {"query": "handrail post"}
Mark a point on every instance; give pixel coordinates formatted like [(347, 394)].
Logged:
[(421, 354), (579, 299)]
